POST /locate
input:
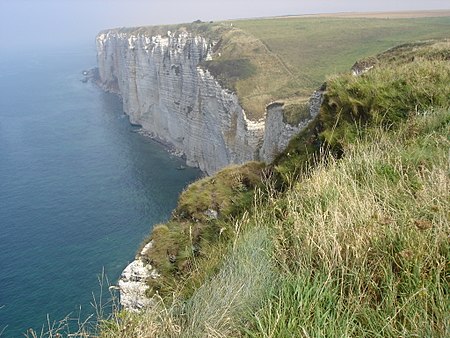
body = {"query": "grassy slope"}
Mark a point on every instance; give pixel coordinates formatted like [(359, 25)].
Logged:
[(359, 248), (363, 241), (357, 245), (353, 245)]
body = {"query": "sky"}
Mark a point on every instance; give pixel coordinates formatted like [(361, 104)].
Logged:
[(27, 23)]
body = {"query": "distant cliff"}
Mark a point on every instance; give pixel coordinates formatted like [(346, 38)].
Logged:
[(166, 90)]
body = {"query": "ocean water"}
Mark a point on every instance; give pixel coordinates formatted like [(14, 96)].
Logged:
[(79, 187)]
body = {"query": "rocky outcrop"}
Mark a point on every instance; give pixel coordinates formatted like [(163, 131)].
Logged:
[(363, 66), (279, 132), (133, 282), (166, 92)]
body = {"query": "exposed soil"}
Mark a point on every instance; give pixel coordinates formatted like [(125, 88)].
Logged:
[(380, 15)]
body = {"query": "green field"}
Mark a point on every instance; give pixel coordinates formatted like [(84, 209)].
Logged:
[(294, 56)]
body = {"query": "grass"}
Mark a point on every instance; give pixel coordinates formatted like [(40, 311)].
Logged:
[(408, 79), (357, 247), (302, 52), (363, 240), (293, 114)]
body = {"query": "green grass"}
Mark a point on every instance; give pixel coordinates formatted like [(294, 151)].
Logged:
[(295, 113), (357, 247), (363, 241), (295, 55), (346, 234), (229, 72), (409, 79)]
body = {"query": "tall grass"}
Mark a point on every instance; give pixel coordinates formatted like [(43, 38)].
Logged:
[(220, 307), (364, 241), (409, 79), (353, 247)]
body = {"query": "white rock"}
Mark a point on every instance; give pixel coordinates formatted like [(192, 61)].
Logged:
[(278, 133), (132, 285), (211, 214)]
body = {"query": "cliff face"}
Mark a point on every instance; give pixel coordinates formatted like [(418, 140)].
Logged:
[(279, 132), (166, 92)]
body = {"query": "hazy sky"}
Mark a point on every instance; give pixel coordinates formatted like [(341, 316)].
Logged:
[(29, 22)]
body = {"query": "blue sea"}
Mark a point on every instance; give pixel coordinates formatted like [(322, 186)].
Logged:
[(80, 188)]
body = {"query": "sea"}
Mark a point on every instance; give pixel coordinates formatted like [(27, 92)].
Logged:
[(80, 188)]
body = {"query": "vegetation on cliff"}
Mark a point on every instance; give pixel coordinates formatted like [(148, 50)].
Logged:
[(350, 242), (190, 246), (404, 80), (357, 247)]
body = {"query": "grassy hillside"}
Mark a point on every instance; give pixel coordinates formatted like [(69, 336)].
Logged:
[(354, 243), (356, 248), (293, 56)]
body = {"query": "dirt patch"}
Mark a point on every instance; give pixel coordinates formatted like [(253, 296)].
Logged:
[(380, 15)]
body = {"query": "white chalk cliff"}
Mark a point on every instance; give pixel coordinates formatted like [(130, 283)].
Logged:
[(133, 282), (166, 92)]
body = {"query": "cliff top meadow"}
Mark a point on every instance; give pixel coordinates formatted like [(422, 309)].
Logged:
[(306, 50)]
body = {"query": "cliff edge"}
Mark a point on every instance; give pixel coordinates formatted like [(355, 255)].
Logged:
[(165, 78)]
